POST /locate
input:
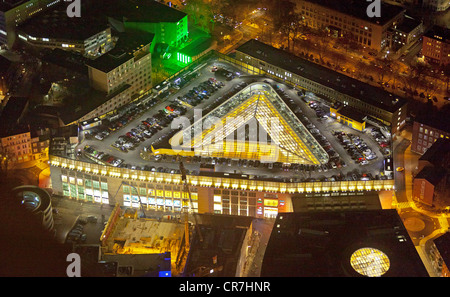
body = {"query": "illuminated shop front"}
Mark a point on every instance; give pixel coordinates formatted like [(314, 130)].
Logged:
[(210, 194)]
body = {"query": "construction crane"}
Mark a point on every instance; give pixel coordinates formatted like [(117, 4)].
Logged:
[(140, 202), (186, 213)]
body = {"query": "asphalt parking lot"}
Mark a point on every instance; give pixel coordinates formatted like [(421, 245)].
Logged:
[(323, 128)]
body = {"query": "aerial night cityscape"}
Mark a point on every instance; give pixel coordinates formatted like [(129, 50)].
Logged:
[(243, 140)]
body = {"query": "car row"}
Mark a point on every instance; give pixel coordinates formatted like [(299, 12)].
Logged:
[(203, 91), (101, 157), (382, 141), (320, 112), (76, 234), (335, 161), (358, 150), (229, 75)]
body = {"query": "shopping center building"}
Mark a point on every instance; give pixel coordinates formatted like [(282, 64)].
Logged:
[(215, 192)]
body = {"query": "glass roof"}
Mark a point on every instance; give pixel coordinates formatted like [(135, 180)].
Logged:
[(272, 131)]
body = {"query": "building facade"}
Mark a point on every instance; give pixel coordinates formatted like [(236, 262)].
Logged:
[(122, 75), (15, 12), (89, 46), (129, 63), (426, 131), (345, 18), (17, 148), (436, 45), (210, 194), (258, 58)]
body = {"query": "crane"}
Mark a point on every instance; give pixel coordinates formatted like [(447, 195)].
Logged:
[(140, 202), (187, 190)]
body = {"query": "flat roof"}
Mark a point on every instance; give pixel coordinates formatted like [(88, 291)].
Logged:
[(438, 152), (438, 31), (55, 24), (9, 117), (143, 11), (435, 119), (432, 174), (408, 24), (352, 113), (197, 46), (122, 52), (322, 75), (223, 236), (357, 9), (326, 244)]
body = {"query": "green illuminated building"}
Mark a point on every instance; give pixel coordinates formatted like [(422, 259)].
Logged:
[(194, 49), (169, 25)]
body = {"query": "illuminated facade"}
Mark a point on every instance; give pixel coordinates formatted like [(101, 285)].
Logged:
[(169, 25), (128, 64), (210, 194), (255, 57), (436, 45), (256, 106), (15, 12)]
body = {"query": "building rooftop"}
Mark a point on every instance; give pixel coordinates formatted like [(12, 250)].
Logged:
[(438, 154), (54, 24), (408, 24), (6, 5), (357, 9), (197, 46), (438, 119), (143, 11), (10, 117), (222, 238), (341, 244), (433, 175), (122, 52), (352, 113), (438, 32), (322, 75)]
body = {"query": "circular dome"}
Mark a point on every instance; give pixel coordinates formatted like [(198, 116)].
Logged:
[(370, 262), (31, 200)]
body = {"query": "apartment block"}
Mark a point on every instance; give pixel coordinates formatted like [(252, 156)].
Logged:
[(128, 64), (349, 18), (428, 129), (436, 45)]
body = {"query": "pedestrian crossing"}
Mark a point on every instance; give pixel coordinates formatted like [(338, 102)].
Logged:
[(402, 205)]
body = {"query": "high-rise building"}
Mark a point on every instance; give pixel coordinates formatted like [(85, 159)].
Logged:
[(15, 12), (89, 35), (126, 68), (169, 25)]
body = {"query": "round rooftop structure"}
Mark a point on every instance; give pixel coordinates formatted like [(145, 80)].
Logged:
[(37, 201), (370, 262)]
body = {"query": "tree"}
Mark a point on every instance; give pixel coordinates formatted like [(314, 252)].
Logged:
[(290, 27)]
